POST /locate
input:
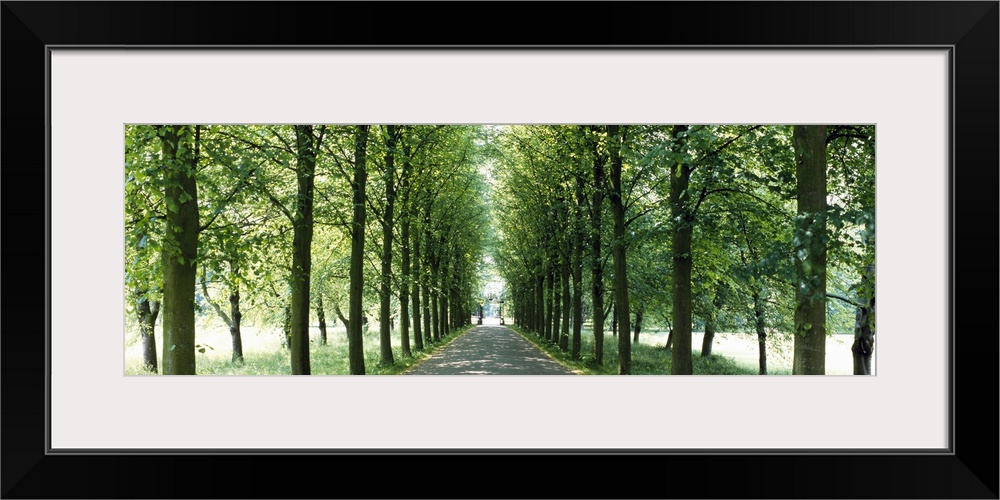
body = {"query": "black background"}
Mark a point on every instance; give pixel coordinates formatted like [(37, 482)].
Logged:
[(971, 472)]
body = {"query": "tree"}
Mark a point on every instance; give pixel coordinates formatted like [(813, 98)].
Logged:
[(143, 229), (810, 248), (354, 332), (180, 247), (683, 217), (596, 258), (385, 293), (307, 147), (615, 134)]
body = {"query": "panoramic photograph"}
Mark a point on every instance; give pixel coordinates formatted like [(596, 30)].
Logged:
[(553, 249)]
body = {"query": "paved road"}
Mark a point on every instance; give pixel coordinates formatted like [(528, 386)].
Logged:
[(489, 350)]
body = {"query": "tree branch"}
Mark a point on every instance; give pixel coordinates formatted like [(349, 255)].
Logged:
[(845, 299), (204, 290)]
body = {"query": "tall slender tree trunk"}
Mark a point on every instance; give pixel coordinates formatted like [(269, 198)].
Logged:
[(540, 307), (443, 295), (529, 306), (638, 325), (427, 315), (618, 250), (683, 218), (564, 337), (418, 337), (760, 326), (443, 301), (180, 249), (549, 303), (236, 317), (557, 304), (597, 272), (385, 294), (404, 285), (355, 337), (286, 327), (148, 311), (810, 265), (577, 269), (614, 320), (435, 311), (321, 317), (709, 338), (302, 233)]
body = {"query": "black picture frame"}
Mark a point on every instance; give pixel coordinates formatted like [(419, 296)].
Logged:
[(969, 28)]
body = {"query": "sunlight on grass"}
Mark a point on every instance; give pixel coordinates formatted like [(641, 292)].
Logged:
[(650, 358), (263, 353)]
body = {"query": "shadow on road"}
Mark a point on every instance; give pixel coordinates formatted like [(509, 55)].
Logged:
[(489, 350)]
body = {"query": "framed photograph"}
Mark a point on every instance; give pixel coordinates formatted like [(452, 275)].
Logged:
[(924, 73)]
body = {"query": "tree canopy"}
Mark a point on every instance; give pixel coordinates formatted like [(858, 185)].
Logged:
[(762, 231)]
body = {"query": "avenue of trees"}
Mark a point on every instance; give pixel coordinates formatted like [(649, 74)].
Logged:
[(767, 230), (290, 225), (597, 231)]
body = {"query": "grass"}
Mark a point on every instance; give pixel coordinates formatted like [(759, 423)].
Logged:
[(264, 355), (646, 359)]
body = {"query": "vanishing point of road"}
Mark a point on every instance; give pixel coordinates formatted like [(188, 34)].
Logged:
[(489, 350)]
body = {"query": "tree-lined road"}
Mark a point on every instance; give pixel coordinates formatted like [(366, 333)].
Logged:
[(490, 350)]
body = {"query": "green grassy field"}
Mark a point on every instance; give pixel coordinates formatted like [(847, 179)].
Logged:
[(263, 353), (733, 353)]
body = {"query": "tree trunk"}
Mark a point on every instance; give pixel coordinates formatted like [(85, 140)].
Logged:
[(540, 307), (618, 250), (321, 316), (425, 291), (564, 336), (234, 328), (404, 293), (435, 312), (597, 290), (340, 315), (445, 309), (863, 343), (180, 250), (681, 240), (638, 325), (147, 312), (614, 319), (302, 233), (286, 327), (810, 264), (385, 294), (707, 340), (418, 337), (235, 314), (549, 302), (443, 297), (531, 298), (577, 270), (404, 282), (758, 313), (557, 309), (355, 337), (864, 333)]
